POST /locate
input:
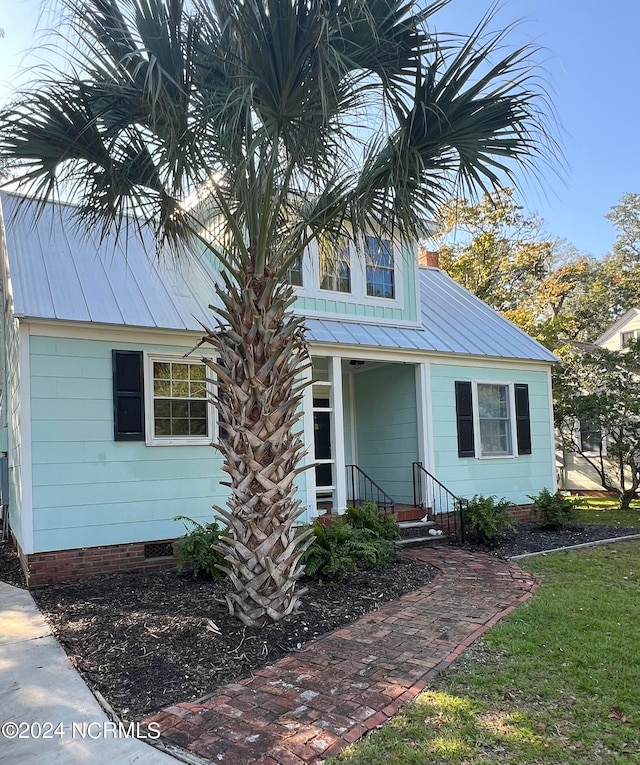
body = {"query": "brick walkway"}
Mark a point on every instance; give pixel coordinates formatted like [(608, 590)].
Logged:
[(313, 703)]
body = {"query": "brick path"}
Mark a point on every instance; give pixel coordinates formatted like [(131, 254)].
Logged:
[(313, 703)]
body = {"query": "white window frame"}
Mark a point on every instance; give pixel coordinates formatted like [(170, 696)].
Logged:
[(357, 253), (511, 400), (150, 438)]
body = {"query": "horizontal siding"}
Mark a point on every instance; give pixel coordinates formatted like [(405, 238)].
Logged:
[(386, 427), (89, 490), (514, 478)]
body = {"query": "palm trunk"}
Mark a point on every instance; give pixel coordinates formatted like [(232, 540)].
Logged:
[(261, 350)]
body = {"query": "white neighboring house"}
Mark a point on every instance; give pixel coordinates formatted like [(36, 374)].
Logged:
[(574, 471)]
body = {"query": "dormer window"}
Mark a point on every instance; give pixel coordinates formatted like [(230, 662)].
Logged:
[(335, 265), (294, 272), (380, 268)]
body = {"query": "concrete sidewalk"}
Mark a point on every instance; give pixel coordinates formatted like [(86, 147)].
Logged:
[(59, 720)]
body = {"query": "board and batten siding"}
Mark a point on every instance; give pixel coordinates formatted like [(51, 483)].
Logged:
[(514, 478), (386, 427), (89, 490)]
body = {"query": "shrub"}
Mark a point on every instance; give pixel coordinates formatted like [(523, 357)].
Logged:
[(553, 510), (341, 548), (485, 518), (367, 516), (195, 549)]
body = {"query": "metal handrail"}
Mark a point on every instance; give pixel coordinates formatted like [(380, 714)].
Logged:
[(365, 489), (443, 507)]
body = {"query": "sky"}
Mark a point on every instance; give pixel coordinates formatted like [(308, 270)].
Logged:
[(591, 68)]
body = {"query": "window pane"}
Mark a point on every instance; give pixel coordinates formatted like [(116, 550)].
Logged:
[(495, 420), (180, 400), (335, 265), (180, 371), (294, 274)]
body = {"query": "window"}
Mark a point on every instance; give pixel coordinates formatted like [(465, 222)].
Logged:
[(590, 436), (491, 418), (335, 265), (380, 268), (494, 420), (627, 337), (294, 273), (178, 411)]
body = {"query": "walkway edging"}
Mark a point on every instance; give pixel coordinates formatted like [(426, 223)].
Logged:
[(581, 546)]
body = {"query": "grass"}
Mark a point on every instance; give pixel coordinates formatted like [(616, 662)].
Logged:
[(604, 511), (556, 683)]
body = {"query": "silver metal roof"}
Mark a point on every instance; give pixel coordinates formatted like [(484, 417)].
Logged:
[(57, 272)]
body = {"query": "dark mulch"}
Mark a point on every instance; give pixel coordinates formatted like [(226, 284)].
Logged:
[(10, 569), (146, 640), (531, 537)]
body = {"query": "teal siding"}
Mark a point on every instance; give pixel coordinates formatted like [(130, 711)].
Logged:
[(89, 490), (386, 427), (514, 478)]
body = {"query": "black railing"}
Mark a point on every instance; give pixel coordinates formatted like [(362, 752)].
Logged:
[(361, 488), (441, 505)]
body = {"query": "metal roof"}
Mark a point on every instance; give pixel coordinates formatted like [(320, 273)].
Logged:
[(57, 272)]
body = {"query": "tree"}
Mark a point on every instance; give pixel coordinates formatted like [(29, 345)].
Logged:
[(253, 128), (504, 257), (599, 390)]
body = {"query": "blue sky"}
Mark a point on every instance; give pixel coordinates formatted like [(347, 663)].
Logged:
[(592, 63)]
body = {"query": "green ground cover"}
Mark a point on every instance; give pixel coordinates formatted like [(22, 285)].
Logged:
[(556, 683)]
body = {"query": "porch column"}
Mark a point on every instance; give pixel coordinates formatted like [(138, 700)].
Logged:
[(340, 476), (310, 473), (424, 415)]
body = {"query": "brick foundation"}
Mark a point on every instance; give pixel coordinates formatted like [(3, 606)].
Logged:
[(64, 565)]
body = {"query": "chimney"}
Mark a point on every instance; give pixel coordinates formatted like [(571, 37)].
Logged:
[(429, 258)]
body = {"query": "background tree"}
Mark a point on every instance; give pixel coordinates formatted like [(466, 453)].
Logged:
[(285, 120), (505, 258), (599, 390)]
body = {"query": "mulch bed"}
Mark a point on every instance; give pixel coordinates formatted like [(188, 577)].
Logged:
[(146, 640), (149, 639), (531, 537)]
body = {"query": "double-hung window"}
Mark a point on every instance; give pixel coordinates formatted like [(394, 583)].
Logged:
[(335, 265), (178, 410), (493, 419), (380, 268)]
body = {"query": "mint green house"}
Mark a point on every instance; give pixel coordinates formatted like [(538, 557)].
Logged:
[(106, 424)]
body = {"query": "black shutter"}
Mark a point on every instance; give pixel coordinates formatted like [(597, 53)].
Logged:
[(464, 417), (523, 420), (128, 396)]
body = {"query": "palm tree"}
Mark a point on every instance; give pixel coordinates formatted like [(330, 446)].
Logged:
[(253, 127)]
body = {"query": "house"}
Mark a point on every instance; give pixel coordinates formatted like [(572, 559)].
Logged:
[(575, 473), (106, 423)]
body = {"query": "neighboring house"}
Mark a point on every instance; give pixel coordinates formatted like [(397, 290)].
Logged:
[(574, 471), (106, 421)]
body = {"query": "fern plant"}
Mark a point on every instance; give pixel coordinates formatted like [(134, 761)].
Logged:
[(554, 511), (486, 517), (196, 553), (368, 516)]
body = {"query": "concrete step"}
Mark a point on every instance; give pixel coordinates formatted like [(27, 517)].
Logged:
[(437, 540)]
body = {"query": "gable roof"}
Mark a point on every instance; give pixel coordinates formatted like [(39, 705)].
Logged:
[(57, 272), (616, 327)]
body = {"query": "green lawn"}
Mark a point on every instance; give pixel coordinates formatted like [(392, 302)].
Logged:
[(556, 683), (604, 512)]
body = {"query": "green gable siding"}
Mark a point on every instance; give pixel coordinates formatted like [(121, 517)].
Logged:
[(386, 427), (514, 478)]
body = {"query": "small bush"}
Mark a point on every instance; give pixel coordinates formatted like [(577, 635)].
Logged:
[(553, 510), (486, 517), (368, 516), (341, 548), (195, 549)]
